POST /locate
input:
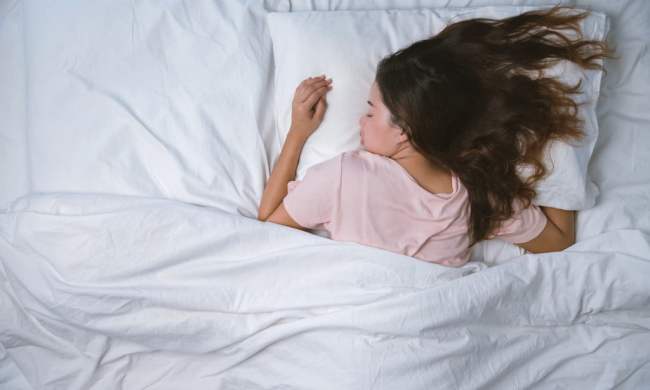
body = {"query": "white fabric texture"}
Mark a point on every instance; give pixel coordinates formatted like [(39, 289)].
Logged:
[(14, 170), (141, 287), (153, 99), (348, 45)]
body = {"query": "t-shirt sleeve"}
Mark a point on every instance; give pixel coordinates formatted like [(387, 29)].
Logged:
[(311, 201), (524, 225)]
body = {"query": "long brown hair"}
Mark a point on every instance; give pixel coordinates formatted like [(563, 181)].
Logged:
[(468, 101)]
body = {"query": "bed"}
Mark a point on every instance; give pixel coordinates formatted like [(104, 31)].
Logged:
[(135, 141)]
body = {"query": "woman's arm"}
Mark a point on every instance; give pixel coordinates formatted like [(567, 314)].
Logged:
[(283, 172), (307, 112), (558, 234), (564, 220)]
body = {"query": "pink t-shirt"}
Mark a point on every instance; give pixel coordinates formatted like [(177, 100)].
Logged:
[(370, 199)]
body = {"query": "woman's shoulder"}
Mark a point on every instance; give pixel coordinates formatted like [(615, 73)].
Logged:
[(346, 161), (362, 158), (371, 167)]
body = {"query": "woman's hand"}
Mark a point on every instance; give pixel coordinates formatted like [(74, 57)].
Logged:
[(309, 105)]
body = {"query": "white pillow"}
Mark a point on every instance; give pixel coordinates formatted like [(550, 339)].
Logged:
[(347, 45)]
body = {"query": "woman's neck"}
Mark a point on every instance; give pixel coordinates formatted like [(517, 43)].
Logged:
[(414, 162), (430, 176)]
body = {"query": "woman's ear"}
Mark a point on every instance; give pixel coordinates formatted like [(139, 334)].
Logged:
[(402, 136)]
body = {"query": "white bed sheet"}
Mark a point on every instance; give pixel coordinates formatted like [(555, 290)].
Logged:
[(14, 170), (147, 98), (124, 289)]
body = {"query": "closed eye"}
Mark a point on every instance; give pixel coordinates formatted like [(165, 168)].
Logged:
[(371, 105)]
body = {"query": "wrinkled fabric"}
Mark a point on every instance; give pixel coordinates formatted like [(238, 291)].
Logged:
[(116, 292)]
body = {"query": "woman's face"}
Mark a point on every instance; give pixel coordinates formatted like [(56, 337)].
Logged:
[(378, 134)]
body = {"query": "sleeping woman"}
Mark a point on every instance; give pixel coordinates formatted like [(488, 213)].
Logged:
[(450, 119)]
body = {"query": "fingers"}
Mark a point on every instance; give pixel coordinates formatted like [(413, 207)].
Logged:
[(311, 80), (320, 109), (317, 94), (309, 86), (302, 87)]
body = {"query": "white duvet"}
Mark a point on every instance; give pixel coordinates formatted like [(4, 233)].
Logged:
[(118, 292), (124, 273)]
